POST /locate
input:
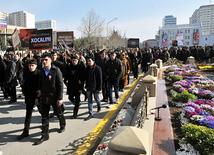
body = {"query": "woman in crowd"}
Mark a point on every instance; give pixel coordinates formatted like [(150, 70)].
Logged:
[(126, 70)]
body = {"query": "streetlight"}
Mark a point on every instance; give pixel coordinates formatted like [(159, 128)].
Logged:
[(107, 30)]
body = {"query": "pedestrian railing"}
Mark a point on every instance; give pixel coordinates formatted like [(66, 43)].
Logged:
[(143, 108)]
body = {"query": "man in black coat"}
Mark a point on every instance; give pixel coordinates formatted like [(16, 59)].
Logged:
[(135, 61), (31, 87), (93, 77), (10, 79), (60, 65), (50, 93), (113, 70), (74, 74), (3, 67), (19, 70), (101, 62)]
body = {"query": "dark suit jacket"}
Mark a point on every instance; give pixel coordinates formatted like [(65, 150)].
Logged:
[(51, 86), (96, 77), (31, 86)]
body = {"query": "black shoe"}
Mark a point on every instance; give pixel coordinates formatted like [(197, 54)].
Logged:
[(74, 117), (51, 115), (61, 130), (3, 99), (89, 117), (41, 140), (12, 101), (98, 109), (23, 135), (104, 100)]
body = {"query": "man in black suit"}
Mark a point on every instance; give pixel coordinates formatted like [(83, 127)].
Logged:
[(10, 78), (31, 86), (50, 93), (101, 61)]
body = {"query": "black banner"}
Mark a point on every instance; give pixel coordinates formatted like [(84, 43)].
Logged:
[(133, 43), (40, 39)]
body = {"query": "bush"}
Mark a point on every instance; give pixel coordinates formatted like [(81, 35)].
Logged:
[(175, 78), (183, 97), (200, 137)]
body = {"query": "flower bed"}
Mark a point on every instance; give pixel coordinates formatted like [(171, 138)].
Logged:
[(197, 118)]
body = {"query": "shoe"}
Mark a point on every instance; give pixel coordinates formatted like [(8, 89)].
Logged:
[(3, 99), (110, 106), (12, 101), (35, 107), (41, 140), (52, 115), (98, 109), (74, 117), (61, 130), (117, 101), (23, 135), (104, 100), (121, 90), (89, 117)]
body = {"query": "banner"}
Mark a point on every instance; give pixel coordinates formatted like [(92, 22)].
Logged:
[(3, 23), (40, 39), (180, 39), (15, 39), (133, 43), (24, 37), (195, 38), (174, 43), (164, 39), (65, 39)]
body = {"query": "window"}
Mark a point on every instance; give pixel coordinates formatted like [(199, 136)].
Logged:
[(185, 37), (188, 37), (205, 38), (188, 31), (187, 43), (185, 31)]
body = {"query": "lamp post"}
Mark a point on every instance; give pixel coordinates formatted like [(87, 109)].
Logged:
[(107, 30)]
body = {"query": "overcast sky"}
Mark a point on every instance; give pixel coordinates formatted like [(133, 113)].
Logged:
[(136, 18)]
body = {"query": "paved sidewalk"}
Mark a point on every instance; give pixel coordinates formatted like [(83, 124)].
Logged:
[(12, 123)]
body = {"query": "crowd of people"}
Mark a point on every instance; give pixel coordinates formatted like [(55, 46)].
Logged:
[(91, 73)]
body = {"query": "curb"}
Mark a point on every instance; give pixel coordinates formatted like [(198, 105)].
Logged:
[(96, 135)]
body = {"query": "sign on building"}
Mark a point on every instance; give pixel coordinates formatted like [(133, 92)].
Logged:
[(65, 39), (133, 43), (180, 39), (3, 23), (40, 39), (164, 39), (15, 39), (195, 38)]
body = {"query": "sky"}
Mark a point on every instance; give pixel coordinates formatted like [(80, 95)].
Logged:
[(135, 18)]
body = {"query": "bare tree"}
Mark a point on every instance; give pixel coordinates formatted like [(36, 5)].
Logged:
[(91, 27), (116, 39)]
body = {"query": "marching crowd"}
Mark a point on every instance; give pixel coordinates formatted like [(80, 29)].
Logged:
[(42, 78)]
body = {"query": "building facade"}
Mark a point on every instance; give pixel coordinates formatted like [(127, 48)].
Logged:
[(22, 19), (184, 34), (205, 16), (169, 20), (150, 43), (47, 24), (4, 16)]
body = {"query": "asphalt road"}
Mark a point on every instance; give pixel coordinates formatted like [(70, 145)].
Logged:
[(12, 118)]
